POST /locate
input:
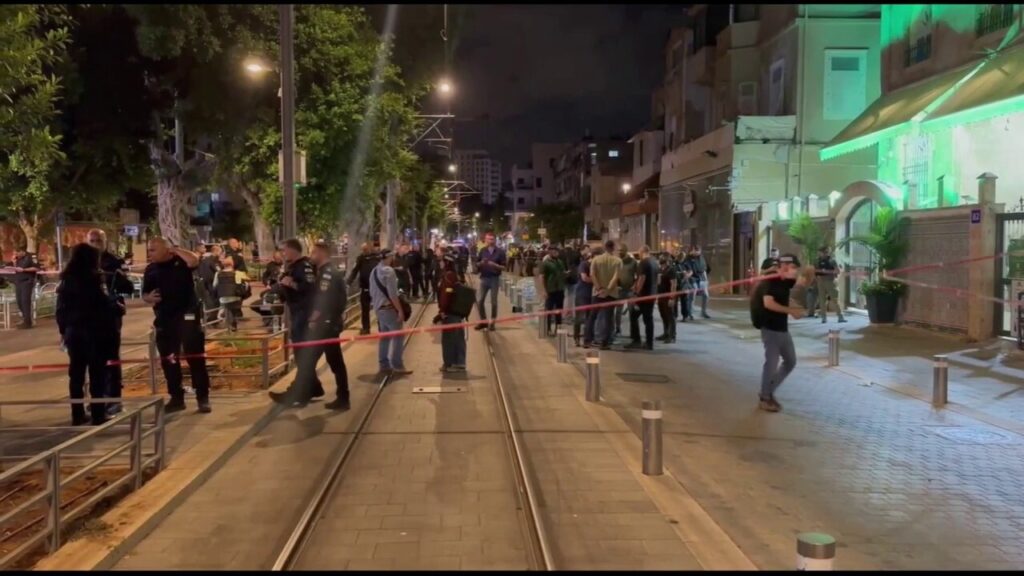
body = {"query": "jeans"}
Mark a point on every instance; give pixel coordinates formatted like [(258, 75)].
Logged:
[(626, 308), (570, 302), (387, 321), (603, 324), (114, 378), (584, 318), (643, 309), (554, 301), (453, 343), (702, 289), (776, 345), (489, 284)]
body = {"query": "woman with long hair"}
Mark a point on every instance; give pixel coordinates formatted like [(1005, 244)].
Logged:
[(85, 317), (453, 341)]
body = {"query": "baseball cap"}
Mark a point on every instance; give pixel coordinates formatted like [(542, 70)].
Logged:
[(789, 259), (386, 252)]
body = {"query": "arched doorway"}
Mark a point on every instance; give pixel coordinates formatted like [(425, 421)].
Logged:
[(859, 259)]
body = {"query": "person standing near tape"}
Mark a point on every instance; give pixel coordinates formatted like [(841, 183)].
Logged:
[(604, 271), (117, 286), (365, 263), (26, 267), (825, 273), (553, 272), (390, 315), (298, 289), (701, 270), (584, 297), (325, 323), (490, 264), (168, 287), (769, 312), (644, 286)]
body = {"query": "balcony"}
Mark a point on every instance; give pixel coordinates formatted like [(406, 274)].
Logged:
[(702, 64), (992, 18)]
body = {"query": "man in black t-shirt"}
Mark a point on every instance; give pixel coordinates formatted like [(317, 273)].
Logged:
[(646, 285), (167, 286), (769, 308), (666, 304)]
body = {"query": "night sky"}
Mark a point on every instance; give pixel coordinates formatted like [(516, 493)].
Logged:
[(546, 73)]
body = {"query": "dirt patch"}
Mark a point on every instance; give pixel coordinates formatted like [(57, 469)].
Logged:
[(239, 369), (33, 520)]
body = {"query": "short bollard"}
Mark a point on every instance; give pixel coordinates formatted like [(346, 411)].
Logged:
[(593, 376), (940, 381), (517, 300), (542, 325), (833, 348), (651, 416), (562, 346), (815, 551)]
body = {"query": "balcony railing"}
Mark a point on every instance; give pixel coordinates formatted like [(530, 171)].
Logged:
[(993, 17), (918, 51)]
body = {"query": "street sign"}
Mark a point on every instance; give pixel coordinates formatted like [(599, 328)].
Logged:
[(132, 231), (60, 218), (976, 216)]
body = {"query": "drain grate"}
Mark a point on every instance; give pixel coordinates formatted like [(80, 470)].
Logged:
[(973, 435), (643, 378)]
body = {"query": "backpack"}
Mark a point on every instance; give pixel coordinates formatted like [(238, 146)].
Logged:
[(757, 306), (463, 300)]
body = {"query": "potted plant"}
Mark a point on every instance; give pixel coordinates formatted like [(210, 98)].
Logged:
[(887, 241), (806, 233)]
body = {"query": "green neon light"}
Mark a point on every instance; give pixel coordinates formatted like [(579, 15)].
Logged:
[(977, 114), (783, 210), (860, 142)]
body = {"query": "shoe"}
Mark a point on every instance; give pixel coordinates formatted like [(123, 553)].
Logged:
[(400, 372), (493, 327), (705, 316), (340, 404), (481, 327), (649, 346), (281, 397), (364, 332), (382, 373), (23, 326), (444, 368), (633, 346), (79, 420), (670, 341), (98, 421), (604, 347), (114, 409), (775, 404), (823, 320), (690, 318), (459, 368), (842, 320), (204, 406), (662, 338), (767, 406), (319, 392), (174, 405)]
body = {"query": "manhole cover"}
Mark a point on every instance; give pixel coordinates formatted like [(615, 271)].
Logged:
[(643, 378), (973, 435)]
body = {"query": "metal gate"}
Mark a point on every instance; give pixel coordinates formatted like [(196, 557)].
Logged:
[(1009, 271)]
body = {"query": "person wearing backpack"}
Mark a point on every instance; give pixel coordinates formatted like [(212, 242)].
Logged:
[(769, 312), (453, 340)]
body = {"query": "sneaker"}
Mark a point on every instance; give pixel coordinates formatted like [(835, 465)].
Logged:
[(319, 392), (662, 338), (281, 397), (670, 341), (459, 368), (204, 406), (80, 420), (364, 332), (634, 346), (340, 404), (842, 320), (768, 406), (114, 409), (649, 346), (400, 372), (604, 347), (481, 327), (493, 327), (174, 405), (823, 320), (705, 316), (444, 368)]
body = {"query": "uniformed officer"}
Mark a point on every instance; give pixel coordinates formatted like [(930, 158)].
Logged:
[(297, 288), (326, 322), (167, 285), (365, 263), (25, 268), (826, 272), (117, 284)]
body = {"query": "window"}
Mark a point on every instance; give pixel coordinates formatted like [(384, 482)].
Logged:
[(845, 84), (992, 17), (916, 159), (747, 98), (520, 201), (613, 153), (539, 201), (520, 182), (919, 41), (777, 90), (538, 182)]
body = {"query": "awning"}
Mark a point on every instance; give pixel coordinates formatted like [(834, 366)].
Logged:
[(891, 112), (996, 89)]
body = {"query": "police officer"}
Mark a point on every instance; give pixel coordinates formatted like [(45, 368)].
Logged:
[(298, 289), (365, 263), (825, 273), (168, 286), (326, 322), (25, 268), (117, 286)]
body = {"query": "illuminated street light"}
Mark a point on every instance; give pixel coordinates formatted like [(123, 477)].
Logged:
[(256, 66), (476, 215), (445, 87), (452, 168), (626, 188)]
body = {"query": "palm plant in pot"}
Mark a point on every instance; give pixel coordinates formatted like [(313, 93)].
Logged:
[(888, 242)]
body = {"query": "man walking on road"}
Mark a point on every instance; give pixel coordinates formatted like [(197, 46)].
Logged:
[(701, 270), (769, 311), (384, 292), (825, 273), (604, 271), (490, 263)]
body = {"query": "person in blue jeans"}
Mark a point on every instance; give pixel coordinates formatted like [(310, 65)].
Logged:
[(453, 341), (384, 295), (584, 297), (490, 263)]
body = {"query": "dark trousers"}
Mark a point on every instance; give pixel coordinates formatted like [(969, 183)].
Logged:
[(643, 309), (554, 301), (173, 337), (364, 308), (87, 353), (114, 372), (307, 382), (603, 322), (23, 296), (668, 317), (418, 283)]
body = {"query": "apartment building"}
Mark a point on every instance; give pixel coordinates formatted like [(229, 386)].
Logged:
[(477, 169)]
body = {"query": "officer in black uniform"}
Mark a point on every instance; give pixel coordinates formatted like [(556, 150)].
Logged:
[(115, 279), (326, 322), (167, 285), (365, 263), (298, 289), (25, 268)]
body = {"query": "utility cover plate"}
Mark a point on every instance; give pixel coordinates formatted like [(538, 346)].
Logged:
[(965, 435), (643, 378)]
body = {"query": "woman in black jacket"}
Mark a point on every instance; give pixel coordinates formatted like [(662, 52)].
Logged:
[(86, 319)]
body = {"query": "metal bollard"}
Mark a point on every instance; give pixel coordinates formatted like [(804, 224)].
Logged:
[(517, 300), (940, 381), (815, 552), (542, 326), (153, 361), (651, 416), (562, 346), (593, 376), (833, 348)]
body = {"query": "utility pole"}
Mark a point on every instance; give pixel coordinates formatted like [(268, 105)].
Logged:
[(287, 15)]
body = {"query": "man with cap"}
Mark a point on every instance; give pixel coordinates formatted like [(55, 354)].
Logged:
[(769, 311)]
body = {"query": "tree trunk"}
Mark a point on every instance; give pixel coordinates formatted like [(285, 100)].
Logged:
[(30, 228), (261, 228)]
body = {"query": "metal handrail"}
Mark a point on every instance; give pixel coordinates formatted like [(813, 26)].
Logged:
[(50, 460)]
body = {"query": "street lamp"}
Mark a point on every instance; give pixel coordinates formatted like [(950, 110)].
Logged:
[(452, 168), (626, 188), (257, 66), (445, 87)]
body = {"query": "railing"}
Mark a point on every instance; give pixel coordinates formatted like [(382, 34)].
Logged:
[(44, 303), (58, 514), (993, 17), (918, 51)]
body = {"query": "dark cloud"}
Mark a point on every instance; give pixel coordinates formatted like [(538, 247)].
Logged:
[(549, 72)]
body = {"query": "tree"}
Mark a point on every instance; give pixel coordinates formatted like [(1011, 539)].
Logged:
[(563, 221), (34, 40), (807, 234)]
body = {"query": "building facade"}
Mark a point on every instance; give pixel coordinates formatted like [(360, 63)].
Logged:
[(477, 169)]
